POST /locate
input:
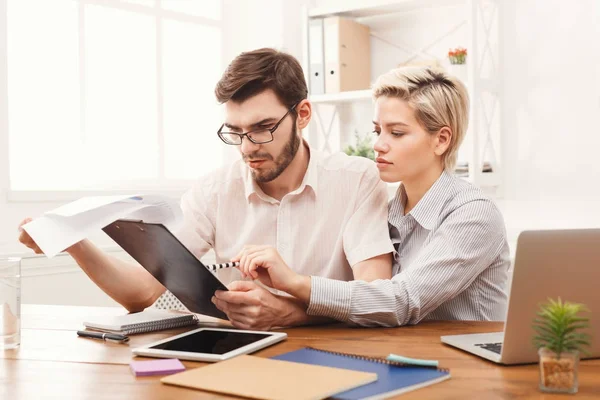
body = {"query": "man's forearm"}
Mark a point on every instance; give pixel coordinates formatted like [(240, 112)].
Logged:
[(378, 267), (299, 317), (127, 283)]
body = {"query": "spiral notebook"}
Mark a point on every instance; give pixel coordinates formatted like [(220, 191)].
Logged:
[(393, 378), (145, 321)]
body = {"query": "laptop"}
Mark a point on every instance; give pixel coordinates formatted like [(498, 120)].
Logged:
[(548, 264)]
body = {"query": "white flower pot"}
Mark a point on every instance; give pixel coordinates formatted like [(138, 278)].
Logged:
[(460, 71)]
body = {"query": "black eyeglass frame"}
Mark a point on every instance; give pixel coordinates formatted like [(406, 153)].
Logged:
[(247, 134)]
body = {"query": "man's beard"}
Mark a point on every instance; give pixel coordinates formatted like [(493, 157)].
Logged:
[(281, 163)]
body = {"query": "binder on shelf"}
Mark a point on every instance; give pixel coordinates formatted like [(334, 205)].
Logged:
[(316, 56), (347, 55)]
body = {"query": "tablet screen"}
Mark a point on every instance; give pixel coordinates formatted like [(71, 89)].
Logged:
[(211, 342)]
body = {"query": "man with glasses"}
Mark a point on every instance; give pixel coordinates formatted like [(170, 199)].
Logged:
[(262, 135), (326, 215)]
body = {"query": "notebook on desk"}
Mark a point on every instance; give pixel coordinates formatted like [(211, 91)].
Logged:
[(145, 321), (392, 378), (264, 378)]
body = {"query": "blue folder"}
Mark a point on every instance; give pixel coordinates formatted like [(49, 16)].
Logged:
[(392, 378)]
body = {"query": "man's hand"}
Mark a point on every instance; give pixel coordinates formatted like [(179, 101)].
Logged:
[(29, 242), (26, 239), (250, 306)]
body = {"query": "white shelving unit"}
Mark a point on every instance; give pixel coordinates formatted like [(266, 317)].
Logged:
[(376, 8), (479, 22), (342, 97)]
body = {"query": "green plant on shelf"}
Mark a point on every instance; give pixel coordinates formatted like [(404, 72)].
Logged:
[(362, 148)]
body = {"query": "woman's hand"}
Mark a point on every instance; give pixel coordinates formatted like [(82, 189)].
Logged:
[(265, 264)]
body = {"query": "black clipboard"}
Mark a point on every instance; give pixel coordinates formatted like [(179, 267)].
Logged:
[(170, 262)]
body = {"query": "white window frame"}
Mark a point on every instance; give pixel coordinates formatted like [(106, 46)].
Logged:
[(170, 187)]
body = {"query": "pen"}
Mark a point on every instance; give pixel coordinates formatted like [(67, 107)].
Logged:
[(111, 337), (413, 361), (215, 267)]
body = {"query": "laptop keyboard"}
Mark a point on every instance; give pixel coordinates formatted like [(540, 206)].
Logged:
[(495, 347)]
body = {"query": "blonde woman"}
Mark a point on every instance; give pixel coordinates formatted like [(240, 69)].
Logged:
[(451, 257)]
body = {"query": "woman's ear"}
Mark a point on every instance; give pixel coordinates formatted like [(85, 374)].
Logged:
[(444, 137), (304, 112)]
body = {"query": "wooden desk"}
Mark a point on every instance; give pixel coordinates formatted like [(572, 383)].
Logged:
[(52, 362)]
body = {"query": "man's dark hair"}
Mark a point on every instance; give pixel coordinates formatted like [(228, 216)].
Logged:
[(254, 71)]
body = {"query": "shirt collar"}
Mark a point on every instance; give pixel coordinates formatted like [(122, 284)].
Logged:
[(310, 177), (428, 209)]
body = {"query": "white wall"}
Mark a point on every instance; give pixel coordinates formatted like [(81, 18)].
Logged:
[(552, 87), (251, 24), (552, 104), (10, 214)]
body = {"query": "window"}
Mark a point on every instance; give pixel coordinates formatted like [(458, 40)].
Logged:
[(112, 94)]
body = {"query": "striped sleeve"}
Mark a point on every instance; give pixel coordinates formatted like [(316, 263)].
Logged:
[(463, 246)]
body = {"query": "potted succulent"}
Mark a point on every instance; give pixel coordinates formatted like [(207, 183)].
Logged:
[(363, 147), (560, 340)]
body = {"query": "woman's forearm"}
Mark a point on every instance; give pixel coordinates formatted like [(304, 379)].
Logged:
[(300, 288), (379, 267)]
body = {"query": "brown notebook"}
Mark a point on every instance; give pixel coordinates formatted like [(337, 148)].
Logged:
[(264, 378)]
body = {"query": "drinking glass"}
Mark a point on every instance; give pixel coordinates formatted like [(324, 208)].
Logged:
[(10, 303)]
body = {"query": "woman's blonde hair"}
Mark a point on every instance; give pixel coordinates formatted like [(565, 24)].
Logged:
[(438, 99)]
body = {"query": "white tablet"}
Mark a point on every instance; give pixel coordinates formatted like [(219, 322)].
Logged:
[(210, 344)]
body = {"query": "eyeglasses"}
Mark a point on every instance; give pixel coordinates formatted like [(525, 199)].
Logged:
[(257, 136)]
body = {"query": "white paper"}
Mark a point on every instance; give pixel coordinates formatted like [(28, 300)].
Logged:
[(86, 204), (60, 228)]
